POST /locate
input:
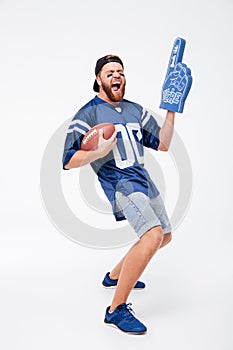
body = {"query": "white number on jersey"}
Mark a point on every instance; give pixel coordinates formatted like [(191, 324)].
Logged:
[(131, 135)]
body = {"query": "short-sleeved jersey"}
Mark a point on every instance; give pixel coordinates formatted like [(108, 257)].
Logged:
[(123, 168)]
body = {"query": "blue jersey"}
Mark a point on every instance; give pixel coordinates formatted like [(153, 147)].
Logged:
[(123, 168)]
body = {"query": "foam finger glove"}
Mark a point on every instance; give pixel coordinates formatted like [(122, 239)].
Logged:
[(178, 80)]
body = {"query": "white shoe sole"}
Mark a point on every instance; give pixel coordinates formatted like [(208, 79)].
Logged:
[(114, 287), (131, 333)]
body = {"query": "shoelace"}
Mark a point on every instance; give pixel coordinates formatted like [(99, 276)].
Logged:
[(126, 311)]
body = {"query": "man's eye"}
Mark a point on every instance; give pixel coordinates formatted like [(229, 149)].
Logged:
[(109, 75)]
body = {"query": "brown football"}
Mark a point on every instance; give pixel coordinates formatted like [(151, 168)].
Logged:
[(91, 138)]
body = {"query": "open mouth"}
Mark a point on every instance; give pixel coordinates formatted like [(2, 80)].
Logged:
[(116, 86)]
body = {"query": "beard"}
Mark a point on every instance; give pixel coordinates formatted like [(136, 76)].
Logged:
[(118, 96)]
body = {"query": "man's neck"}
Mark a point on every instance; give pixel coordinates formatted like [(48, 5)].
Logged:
[(106, 99)]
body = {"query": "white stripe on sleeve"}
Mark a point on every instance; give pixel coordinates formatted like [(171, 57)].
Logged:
[(146, 118), (76, 129), (80, 122)]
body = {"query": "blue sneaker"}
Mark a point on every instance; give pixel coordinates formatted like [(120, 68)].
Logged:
[(123, 319), (109, 283)]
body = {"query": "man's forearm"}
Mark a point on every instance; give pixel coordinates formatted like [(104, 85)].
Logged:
[(81, 158), (166, 132)]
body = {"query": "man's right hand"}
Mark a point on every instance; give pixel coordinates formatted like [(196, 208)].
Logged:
[(105, 145)]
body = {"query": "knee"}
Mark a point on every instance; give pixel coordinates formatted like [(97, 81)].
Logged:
[(153, 238), (167, 238)]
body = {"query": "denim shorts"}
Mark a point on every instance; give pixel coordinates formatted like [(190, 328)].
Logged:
[(143, 212)]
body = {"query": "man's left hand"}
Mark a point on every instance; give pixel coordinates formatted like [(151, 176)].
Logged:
[(178, 80)]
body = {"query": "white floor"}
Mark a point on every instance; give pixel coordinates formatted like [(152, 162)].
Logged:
[(52, 298)]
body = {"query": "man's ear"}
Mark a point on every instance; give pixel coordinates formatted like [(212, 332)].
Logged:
[(98, 80)]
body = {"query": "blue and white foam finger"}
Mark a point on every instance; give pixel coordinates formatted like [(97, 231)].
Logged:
[(178, 80)]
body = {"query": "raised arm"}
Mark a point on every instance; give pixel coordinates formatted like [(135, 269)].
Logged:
[(166, 132)]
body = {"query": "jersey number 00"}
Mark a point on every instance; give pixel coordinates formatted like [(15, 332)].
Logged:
[(133, 150)]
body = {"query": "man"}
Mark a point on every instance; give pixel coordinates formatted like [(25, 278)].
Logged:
[(118, 163)]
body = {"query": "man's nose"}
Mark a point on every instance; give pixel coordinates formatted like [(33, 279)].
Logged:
[(116, 74)]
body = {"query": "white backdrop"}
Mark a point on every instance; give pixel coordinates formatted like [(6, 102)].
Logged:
[(51, 295)]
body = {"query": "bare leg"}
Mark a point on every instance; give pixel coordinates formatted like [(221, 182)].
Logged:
[(115, 273), (135, 262), (167, 237)]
